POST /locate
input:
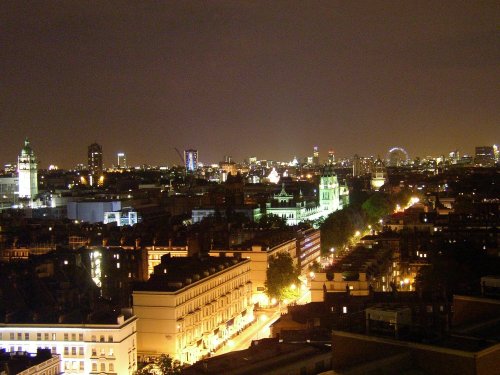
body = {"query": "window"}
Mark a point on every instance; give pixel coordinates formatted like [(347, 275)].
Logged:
[(54, 337), (94, 352), (110, 338), (66, 337), (27, 336), (80, 351), (111, 352), (46, 336), (38, 336), (93, 338), (73, 351), (73, 337), (80, 337), (111, 367), (82, 366), (12, 335), (19, 336), (66, 350), (94, 366), (101, 339), (103, 367), (54, 350)]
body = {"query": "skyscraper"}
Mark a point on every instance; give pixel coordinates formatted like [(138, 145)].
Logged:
[(316, 155), (95, 163), (331, 157), (191, 160), (121, 160), (28, 172)]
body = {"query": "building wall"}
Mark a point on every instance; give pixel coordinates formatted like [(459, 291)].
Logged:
[(91, 212), (81, 347), (350, 350), (195, 319), (468, 310)]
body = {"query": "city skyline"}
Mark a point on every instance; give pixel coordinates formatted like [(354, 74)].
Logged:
[(247, 79)]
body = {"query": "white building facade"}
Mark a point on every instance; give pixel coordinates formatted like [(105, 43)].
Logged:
[(83, 348), (27, 172)]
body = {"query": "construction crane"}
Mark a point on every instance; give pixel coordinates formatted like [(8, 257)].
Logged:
[(180, 156)]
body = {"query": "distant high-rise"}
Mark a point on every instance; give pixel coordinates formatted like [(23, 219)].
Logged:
[(27, 172), (95, 163), (379, 175), (315, 155), (121, 160), (191, 160), (331, 157), (485, 156)]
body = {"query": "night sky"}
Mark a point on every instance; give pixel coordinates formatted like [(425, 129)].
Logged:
[(247, 78)]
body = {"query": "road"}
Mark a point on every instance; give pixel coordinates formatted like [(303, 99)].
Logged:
[(258, 330)]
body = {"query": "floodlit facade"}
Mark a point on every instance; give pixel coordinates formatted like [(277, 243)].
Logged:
[(83, 348), (190, 306), (191, 160), (296, 210), (27, 172)]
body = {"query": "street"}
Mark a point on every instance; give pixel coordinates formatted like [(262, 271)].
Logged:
[(258, 330)]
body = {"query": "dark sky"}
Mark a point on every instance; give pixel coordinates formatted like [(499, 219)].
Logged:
[(242, 78)]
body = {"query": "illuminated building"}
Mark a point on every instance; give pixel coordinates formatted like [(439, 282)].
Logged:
[(304, 248), (485, 156), (331, 157), (315, 155), (127, 216), (94, 153), (27, 172), (91, 211), (361, 166), (41, 363), (379, 175), (191, 160), (9, 187), (84, 349), (295, 210), (121, 160), (191, 306)]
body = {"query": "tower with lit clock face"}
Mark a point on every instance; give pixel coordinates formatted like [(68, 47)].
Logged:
[(27, 172), (329, 191)]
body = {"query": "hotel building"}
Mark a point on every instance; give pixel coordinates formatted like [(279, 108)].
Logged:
[(83, 348), (191, 305)]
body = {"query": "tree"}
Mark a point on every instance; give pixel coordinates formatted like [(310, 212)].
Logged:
[(163, 365), (339, 227), (270, 221), (377, 206), (282, 278)]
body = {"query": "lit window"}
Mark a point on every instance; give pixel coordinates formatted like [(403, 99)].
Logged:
[(80, 337), (66, 337), (344, 309)]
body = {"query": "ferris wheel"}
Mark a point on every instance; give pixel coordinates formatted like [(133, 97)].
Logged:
[(396, 156)]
